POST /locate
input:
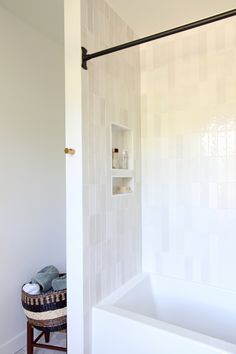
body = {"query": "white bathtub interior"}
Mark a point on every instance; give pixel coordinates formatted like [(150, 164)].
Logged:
[(204, 309)]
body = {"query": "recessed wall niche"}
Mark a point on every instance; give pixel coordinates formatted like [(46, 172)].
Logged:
[(122, 163)]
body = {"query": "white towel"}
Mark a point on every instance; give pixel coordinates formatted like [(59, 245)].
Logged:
[(32, 289)]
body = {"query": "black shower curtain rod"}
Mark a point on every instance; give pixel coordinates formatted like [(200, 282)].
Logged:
[(86, 57)]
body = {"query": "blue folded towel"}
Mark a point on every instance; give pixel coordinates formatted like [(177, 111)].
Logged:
[(45, 277), (59, 283)]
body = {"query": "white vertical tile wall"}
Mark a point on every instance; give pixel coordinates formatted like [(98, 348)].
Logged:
[(188, 105), (111, 93)]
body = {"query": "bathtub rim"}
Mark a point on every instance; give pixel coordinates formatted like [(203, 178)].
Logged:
[(109, 305)]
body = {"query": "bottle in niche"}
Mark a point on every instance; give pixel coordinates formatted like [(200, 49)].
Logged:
[(125, 160), (115, 158)]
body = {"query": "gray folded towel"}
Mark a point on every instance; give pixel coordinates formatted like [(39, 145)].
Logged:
[(45, 277), (59, 283)]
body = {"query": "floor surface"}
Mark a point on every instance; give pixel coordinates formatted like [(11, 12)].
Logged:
[(58, 339)]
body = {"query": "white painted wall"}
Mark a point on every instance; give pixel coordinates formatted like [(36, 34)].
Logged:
[(153, 16), (74, 192), (32, 181)]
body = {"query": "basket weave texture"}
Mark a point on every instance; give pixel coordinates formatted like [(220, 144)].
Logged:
[(46, 312)]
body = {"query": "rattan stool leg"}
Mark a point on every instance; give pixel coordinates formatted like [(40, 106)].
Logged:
[(47, 337), (30, 338)]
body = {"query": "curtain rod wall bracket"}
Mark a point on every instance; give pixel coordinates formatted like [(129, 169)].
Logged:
[(189, 26), (84, 58)]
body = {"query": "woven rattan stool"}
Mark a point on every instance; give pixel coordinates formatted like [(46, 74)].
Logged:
[(33, 343), (47, 313)]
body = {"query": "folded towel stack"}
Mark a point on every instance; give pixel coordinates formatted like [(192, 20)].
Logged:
[(45, 280), (45, 277)]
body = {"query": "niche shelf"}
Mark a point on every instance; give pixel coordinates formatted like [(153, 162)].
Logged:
[(122, 173), (122, 163), (122, 185)]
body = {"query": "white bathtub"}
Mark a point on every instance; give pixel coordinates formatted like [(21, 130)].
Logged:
[(157, 315)]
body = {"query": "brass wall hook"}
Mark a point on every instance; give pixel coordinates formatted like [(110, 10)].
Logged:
[(69, 151)]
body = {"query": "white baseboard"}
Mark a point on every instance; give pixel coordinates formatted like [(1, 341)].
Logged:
[(13, 345)]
